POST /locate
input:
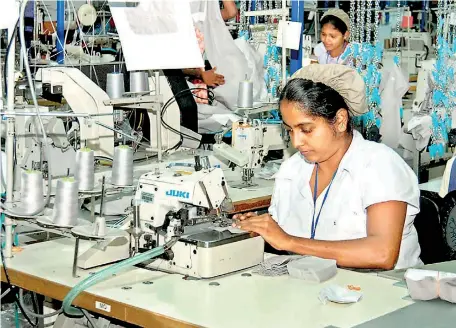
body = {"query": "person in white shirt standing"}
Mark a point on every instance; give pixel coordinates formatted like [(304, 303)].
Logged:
[(340, 197), (335, 32)]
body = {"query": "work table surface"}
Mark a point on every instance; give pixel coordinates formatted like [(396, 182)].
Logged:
[(171, 301)]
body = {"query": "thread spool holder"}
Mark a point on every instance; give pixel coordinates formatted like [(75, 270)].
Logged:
[(152, 103)]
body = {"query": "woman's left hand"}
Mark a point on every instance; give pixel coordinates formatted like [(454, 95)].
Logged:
[(268, 228)]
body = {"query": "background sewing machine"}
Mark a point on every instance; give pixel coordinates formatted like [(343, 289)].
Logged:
[(190, 205), (423, 84), (251, 143), (98, 129), (83, 97), (29, 148), (417, 48)]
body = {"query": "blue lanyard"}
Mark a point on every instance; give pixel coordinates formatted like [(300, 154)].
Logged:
[(313, 228)]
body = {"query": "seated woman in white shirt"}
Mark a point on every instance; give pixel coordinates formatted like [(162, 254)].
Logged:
[(335, 31), (340, 197)]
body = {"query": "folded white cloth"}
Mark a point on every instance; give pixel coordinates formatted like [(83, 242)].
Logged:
[(421, 129), (337, 294)]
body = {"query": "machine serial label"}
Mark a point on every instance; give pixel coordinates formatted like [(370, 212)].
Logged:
[(147, 197), (103, 306)]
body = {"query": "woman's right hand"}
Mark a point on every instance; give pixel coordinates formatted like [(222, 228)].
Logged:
[(211, 78)]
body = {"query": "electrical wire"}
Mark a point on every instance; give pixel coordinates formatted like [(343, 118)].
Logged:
[(173, 99), (89, 318), (34, 314)]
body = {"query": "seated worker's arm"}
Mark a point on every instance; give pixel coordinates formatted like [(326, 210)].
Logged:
[(379, 250), (210, 78), (229, 10)]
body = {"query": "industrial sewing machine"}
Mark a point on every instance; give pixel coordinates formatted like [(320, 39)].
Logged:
[(418, 47), (251, 143), (84, 97), (29, 145), (97, 129), (423, 86), (191, 205)]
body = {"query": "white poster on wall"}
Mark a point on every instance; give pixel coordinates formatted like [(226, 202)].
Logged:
[(156, 34)]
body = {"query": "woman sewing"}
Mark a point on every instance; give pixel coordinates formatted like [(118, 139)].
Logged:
[(335, 31), (340, 197)]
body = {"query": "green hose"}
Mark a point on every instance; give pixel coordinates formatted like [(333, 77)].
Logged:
[(105, 273), (16, 316)]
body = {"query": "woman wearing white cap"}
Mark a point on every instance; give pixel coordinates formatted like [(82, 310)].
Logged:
[(340, 197), (335, 31)]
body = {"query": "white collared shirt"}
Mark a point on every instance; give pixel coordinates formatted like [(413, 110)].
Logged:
[(324, 57), (369, 173)]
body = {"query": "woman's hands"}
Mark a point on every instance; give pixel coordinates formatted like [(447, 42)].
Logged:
[(266, 227), (211, 78)]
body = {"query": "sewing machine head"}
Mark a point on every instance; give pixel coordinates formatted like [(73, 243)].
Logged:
[(177, 199), (83, 97), (179, 204)]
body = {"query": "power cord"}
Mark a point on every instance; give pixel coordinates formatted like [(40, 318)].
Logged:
[(172, 100)]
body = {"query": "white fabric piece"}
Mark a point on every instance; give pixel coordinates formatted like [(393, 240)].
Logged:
[(276, 265), (216, 122), (155, 34), (230, 229), (339, 294), (209, 110), (393, 87), (269, 171), (369, 173), (421, 129)]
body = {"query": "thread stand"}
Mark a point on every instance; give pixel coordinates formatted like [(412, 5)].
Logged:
[(106, 249), (152, 103), (75, 259)]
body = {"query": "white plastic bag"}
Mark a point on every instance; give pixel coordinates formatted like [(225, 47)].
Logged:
[(255, 63), (393, 87), (230, 61)]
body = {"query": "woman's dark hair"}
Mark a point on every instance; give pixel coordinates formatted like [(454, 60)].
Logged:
[(336, 22), (316, 98)]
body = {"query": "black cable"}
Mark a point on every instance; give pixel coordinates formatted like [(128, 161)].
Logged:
[(14, 293), (89, 319), (171, 100)]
